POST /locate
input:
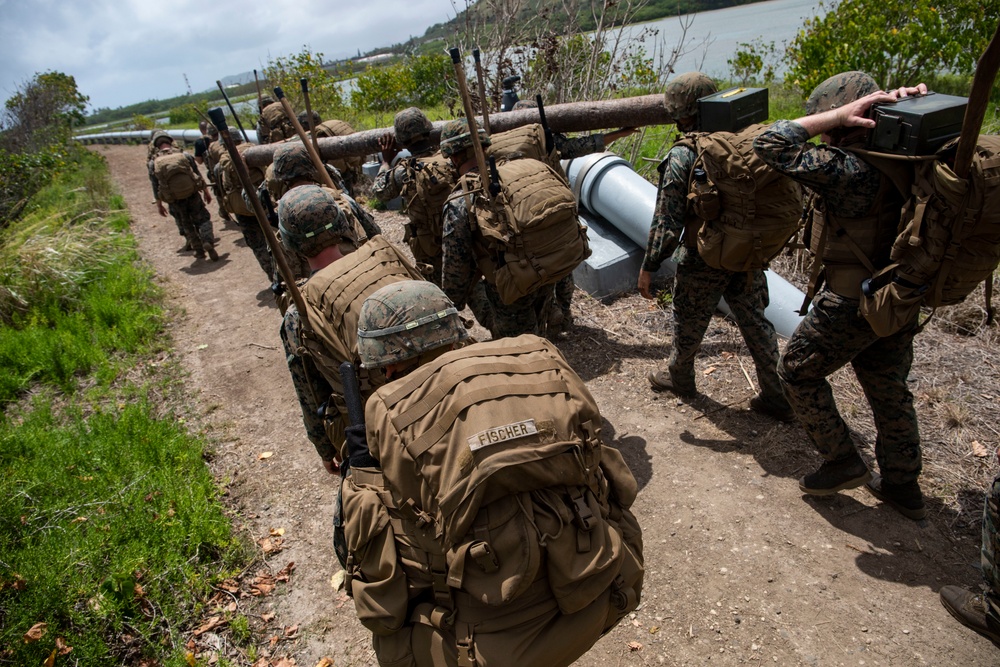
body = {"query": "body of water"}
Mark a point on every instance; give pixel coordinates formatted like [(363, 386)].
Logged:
[(712, 38)]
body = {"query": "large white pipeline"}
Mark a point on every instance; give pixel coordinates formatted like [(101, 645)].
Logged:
[(606, 184), (189, 136)]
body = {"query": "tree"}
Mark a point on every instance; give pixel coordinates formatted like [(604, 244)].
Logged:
[(42, 112), (325, 96), (896, 43)]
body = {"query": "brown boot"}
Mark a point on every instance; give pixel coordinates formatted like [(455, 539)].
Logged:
[(969, 609), (665, 381), (212, 254)]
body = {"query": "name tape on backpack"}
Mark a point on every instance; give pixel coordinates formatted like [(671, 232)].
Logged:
[(498, 434)]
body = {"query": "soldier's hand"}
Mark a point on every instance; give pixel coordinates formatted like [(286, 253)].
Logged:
[(208, 196), (387, 144), (161, 209), (332, 466), (645, 280), (906, 91), (855, 113)]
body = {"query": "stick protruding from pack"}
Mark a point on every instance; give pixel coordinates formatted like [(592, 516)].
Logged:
[(463, 88), (323, 174), (232, 111), (483, 99)]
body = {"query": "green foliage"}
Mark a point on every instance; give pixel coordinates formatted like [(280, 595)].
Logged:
[(324, 90), (754, 62), (72, 296), (141, 122), (423, 81), (189, 113), (896, 43), (41, 112)]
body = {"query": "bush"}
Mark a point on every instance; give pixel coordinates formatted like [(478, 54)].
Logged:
[(422, 81)]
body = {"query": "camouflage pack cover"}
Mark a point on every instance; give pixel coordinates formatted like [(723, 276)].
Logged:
[(749, 210), (411, 125), (680, 97), (403, 320), (530, 236), (175, 177), (483, 451), (527, 141), (232, 190), (455, 137), (292, 161), (838, 90), (312, 218)]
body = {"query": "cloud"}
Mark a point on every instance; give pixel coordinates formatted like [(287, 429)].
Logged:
[(129, 51)]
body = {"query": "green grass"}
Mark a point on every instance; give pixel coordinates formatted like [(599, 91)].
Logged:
[(111, 527)]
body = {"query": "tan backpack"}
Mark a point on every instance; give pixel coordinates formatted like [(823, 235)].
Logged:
[(277, 123), (429, 181), (497, 530), (527, 141), (339, 128), (949, 236), (749, 210), (333, 298), (232, 189), (530, 235), (175, 177)]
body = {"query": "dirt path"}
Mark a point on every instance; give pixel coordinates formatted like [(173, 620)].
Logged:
[(741, 569)]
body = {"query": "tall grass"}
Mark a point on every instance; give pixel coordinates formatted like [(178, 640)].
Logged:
[(110, 527)]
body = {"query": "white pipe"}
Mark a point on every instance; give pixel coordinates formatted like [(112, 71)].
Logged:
[(189, 136), (606, 184)]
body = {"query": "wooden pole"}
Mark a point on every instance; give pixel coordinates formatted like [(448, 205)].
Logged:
[(324, 175), (979, 99)]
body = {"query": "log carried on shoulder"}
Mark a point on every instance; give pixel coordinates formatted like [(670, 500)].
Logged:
[(570, 117)]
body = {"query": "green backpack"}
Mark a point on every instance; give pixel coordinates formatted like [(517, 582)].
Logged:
[(498, 527), (749, 210), (949, 236)]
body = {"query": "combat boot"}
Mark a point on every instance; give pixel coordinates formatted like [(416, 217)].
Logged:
[(775, 408), (969, 609), (841, 474), (666, 381), (212, 254), (904, 498)]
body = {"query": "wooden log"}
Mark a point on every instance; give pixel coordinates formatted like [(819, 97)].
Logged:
[(570, 117)]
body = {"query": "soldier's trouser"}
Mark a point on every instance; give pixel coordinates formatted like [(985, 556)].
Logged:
[(311, 388), (254, 237), (528, 314), (194, 221), (697, 290), (832, 335), (564, 295), (991, 549)]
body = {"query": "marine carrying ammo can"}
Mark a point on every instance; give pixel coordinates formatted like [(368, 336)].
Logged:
[(916, 125), (731, 110)]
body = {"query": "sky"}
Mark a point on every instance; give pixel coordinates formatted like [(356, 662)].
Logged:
[(126, 51)]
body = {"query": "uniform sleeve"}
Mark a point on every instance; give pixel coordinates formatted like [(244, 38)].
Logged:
[(572, 147), (459, 271), (310, 386), (153, 181), (671, 208), (389, 182), (846, 182)]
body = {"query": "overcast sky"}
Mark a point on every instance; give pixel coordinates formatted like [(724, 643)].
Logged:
[(127, 51)]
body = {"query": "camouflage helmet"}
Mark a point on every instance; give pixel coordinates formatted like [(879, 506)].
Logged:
[(524, 104), (292, 162), (838, 90), (455, 137), (236, 135), (213, 131), (411, 125), (403, 320), (158, 136), (303, 118), (680, 99), (266, 101), (310, 220)]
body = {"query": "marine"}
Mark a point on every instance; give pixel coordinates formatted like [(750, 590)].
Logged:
[(698, 287), (855, 212)]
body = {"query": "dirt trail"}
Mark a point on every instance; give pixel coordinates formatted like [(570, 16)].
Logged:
[(741, 569)]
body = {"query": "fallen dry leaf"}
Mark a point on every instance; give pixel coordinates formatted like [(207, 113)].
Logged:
[(268, 617), (978, 450), (140, 592), (337, 580), (277, 532), (634, 646), (291, 631), (36, 632), (284, 662), (230, 586), (262, 585), (325, 662), (272, 640), (264, 455), (709, 370), (79, 519), (210, 624), (269, 546), (285, 572), (62, 646)]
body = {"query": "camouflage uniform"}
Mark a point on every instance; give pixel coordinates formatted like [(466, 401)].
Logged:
[(460, 280), (311, 387), (698, 288), (834, 333), (991, 550), (194, 222)]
